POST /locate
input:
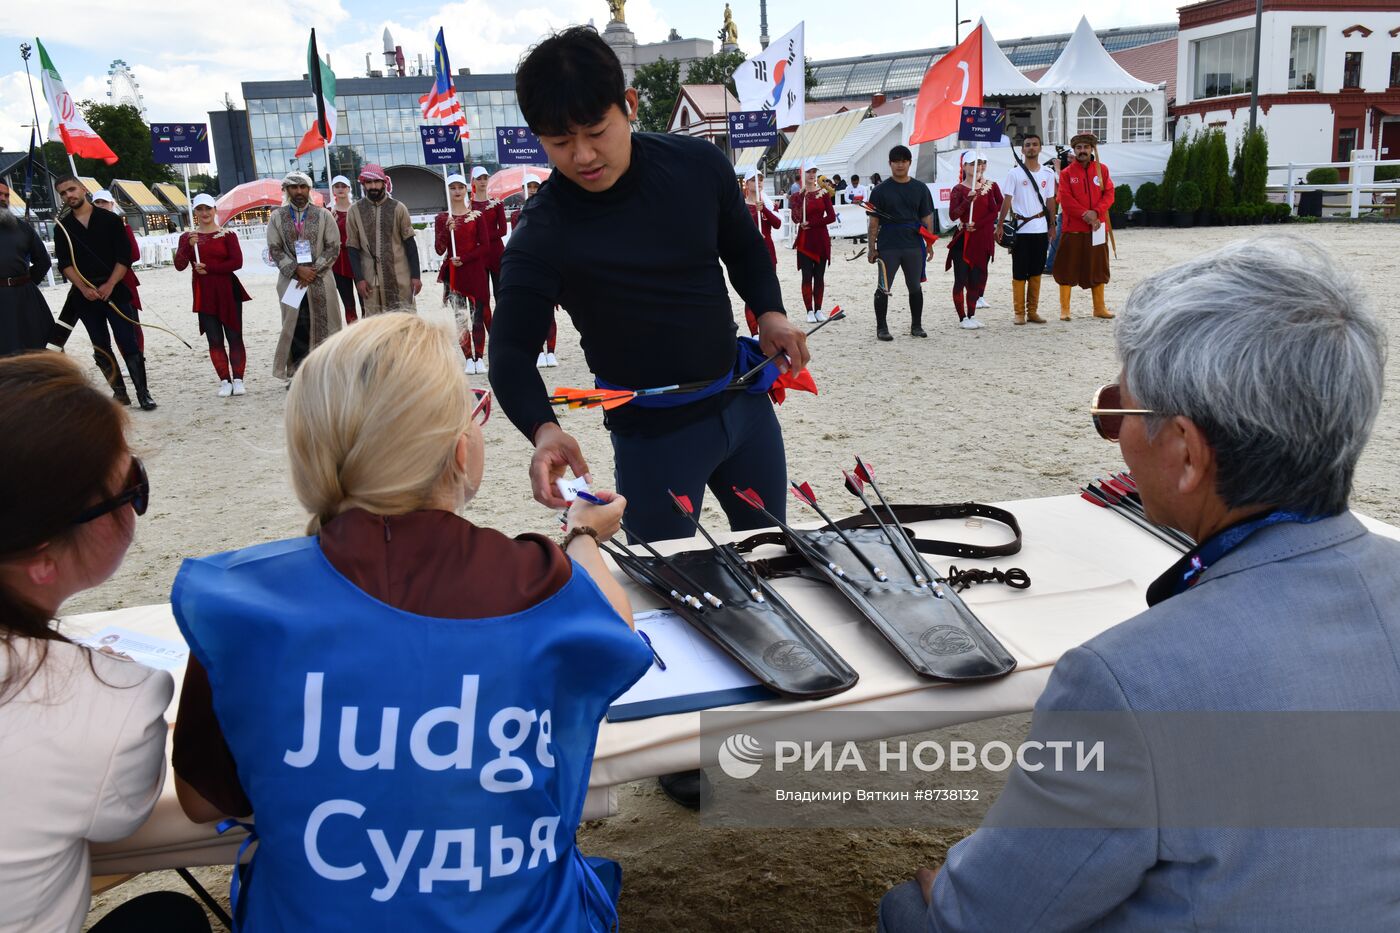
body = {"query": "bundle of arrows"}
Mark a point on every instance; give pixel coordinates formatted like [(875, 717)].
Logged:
[(1119, 494)]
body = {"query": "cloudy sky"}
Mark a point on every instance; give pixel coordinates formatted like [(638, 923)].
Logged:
[(185, 65)]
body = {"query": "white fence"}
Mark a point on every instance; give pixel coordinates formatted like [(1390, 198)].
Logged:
[(1360, 178)]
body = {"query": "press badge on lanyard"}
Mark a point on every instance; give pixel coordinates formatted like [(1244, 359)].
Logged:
[(304, 252)]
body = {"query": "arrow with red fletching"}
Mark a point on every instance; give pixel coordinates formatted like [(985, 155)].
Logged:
[(755, 502), (804, 494), (737, 571), (856, 486)]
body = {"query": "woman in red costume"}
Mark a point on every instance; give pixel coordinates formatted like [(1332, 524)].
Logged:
[(215, 255), (766, 221), (813, 212), (974, 202), (493, 214), (461, 240)]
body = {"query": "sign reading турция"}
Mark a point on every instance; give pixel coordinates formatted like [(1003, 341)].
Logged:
[(981, 124), (179, 143)]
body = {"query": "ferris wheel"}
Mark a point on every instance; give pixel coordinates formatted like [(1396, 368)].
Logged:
[(122, 87)]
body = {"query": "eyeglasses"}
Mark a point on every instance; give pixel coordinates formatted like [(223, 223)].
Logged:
[(481, 411), (137, 493), (1108, 411)]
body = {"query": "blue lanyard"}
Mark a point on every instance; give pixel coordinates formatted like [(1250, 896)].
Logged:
[(1216, 547)]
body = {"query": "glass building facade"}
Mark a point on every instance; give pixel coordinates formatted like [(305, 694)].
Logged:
[(377, 121)]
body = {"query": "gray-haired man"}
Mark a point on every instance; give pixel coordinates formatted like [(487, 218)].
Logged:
[(1251, 378)]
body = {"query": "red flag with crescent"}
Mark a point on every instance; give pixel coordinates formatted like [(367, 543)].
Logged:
[(954, 82)]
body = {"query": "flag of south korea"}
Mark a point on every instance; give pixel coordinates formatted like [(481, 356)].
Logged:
[(776, 80)]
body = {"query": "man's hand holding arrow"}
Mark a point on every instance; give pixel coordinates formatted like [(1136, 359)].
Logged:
[(776, 334)]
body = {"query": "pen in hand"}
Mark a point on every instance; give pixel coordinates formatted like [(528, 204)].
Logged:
[(655, 658)]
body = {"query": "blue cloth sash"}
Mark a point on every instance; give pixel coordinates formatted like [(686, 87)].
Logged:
[(747, 355)]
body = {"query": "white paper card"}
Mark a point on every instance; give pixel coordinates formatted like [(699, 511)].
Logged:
[(693, 663), (294, 294), (304, 252), (1100, 236), (160, 653)]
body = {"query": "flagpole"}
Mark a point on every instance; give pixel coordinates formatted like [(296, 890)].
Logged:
[(451, 234), (194, 238)]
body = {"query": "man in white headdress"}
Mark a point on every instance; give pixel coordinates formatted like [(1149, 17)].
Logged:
[(304, 244)]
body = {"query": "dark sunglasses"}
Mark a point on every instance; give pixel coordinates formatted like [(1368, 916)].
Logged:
[(481, 411), (1108, 411), (137, 494)]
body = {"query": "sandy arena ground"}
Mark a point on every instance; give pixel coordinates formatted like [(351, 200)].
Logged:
[(992, 414)]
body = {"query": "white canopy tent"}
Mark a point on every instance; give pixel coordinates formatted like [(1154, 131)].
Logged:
[(1087, 91)]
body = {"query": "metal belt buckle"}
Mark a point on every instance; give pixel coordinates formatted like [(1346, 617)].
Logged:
[(973, 522)]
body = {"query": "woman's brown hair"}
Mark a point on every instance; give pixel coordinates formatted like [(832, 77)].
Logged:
[(62, 439)]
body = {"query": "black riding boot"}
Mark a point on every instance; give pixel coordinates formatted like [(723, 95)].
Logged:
[(136, 368), (107, 365)]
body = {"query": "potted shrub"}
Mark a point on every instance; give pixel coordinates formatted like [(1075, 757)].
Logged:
[(1187, 203), (1149, 202), (1284, 212), (1229, 216), (1122, 204)]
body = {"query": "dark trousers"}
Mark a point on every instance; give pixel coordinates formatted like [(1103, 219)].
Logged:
[(970, 280), (301, 337), (345, 285), (97, 317), (1028, 255), (741, 445), (911, 262), (157, 912)]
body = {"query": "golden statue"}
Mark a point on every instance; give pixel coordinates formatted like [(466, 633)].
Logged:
[(729, 35), (618, 13)]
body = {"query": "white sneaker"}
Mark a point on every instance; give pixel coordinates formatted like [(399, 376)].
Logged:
[(541, 361), (481, 365), (225, 388), (977, 322), (471, 367), (238, 387), (982, 303), (969, 324), (551, 360)]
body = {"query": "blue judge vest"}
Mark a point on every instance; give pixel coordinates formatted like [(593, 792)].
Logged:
[(406, 772)]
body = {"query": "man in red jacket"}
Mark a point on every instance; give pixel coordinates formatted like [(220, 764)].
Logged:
[(1085, 195)]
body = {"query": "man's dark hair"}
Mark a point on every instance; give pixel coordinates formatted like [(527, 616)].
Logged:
[(569, 80), (855, 178), (901, 154), (62, 178), (1035, 136)]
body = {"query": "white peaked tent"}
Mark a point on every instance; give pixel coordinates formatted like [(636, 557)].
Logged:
[(1086, 90), (1000, 78)]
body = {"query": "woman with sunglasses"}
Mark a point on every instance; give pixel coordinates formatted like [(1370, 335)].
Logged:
[(82, 733), (406, 700)]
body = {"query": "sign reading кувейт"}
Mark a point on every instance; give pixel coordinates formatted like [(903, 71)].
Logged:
[(981, 124), (516, 145), (442, 145), (179, 143)]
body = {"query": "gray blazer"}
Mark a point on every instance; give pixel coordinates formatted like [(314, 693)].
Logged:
[(1298, 617)]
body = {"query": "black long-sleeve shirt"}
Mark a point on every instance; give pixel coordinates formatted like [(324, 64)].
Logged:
[(637, 268), (101, 246)]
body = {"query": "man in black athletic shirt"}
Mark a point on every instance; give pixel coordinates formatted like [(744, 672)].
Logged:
[(628, 236)]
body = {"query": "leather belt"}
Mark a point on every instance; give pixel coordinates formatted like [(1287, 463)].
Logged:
[(1030, 218), (15, 282)]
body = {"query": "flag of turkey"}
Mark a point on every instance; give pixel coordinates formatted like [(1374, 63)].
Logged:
[(954, 82)]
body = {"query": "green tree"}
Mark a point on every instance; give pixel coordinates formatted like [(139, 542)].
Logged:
[(201, 183), (658, 85), (1218, 189), (123, 130), (1254, 167), (715, 69), (1175, 173)]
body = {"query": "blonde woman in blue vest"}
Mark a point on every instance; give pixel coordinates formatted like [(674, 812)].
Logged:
[(408, 702)]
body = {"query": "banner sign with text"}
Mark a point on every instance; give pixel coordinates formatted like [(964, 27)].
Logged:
[(179, 143), (753, 128), (516, 145), (981, 124), (442, 145)]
